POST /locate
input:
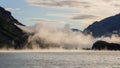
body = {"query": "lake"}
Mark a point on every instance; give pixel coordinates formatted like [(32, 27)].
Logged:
[(81, 59)]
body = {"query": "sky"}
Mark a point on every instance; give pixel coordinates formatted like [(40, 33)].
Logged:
[(57, 13)]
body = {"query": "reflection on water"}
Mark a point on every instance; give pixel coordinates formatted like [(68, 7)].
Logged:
[(60, 60)]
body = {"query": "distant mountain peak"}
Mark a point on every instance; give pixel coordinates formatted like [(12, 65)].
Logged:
[(6, 15), (105, 27)]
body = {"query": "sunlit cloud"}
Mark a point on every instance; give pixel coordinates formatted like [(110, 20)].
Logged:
[(87, 11), (43, 20), (75, 16), (59, 3), (83, 19), (76, 4), (102, 8)]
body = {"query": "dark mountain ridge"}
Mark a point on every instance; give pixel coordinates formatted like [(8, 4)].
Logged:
[(10, 34), (105, 27)]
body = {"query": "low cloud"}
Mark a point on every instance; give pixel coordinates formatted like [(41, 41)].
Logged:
[(63, 38), (13, 9)]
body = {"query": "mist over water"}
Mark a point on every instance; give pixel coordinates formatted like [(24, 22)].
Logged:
[(44, 36)]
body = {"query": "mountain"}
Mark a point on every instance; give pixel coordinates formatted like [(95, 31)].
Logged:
[(105, 27), (10, 35), (103, 45)]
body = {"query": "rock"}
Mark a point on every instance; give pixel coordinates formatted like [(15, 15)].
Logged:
[(102, 45), (10, 35), (105, 27)]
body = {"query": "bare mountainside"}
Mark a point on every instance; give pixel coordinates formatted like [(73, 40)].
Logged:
[(105, 27), (10, 35)]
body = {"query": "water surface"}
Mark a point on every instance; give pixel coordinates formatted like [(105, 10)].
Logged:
[(110, 59)]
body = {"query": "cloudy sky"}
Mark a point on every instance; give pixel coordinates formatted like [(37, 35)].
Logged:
[(78, 13)]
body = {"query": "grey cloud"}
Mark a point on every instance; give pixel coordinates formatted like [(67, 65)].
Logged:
[(116, 5), (84, 17), (60, 3), (75, 16), (88, 8), (107, 1)]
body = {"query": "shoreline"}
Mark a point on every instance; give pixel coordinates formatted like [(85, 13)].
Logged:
[(57, 50)]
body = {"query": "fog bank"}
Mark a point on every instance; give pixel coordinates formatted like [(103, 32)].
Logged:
[(44, 36)]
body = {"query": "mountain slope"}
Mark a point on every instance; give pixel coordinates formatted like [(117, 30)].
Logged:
[(105, 27), (10, 34)]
